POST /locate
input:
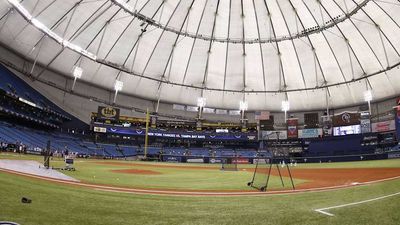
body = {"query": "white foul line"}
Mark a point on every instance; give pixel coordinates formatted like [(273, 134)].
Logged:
[(323, 210)]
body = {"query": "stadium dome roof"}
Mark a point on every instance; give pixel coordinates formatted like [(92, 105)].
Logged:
[(224, 50)]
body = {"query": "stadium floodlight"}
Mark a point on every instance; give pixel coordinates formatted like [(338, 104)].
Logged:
[(118, 85), (368, 95), (243, 105), (77, 72), (201, 102), (368, 98), (285, 106)]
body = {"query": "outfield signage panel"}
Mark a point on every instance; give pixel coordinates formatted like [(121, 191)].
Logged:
[(100, 129), (383, 126), (240, 161), (214, 160), (198, 160), (394, 155), (365, 126), (292, 130), (198, 135), (310, 133), (260, 161), (274, 135)]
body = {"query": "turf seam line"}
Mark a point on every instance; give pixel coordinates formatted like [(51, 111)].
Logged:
[(323, 210)]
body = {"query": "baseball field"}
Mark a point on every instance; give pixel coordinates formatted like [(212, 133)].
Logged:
[(124, 192)]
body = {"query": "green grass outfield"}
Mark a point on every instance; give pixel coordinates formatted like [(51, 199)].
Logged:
[(170, 178), (63, 204)]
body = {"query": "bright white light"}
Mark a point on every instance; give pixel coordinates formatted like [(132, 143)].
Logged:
[(285, 106), (368, 95), (77, 72), (243, 105), (118, 85), (201, 102)]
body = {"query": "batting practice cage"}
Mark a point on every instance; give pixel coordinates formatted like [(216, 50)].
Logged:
[(271, 172), (229, 160), (229, 163)]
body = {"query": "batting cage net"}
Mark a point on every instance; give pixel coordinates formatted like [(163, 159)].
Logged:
[(270, 173), (229, 164)]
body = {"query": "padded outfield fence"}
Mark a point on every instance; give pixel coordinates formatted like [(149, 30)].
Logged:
[(252, 160)]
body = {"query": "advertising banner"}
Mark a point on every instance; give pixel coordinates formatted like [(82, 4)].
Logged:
[(244, 125), (327, 125), (153, 120), (195, 160), (365, 126), (100, 129), (260, 161), (108, 113), (208, 110), (199, 125), (240, 161), (394, 155), (178, 107), (397, 119), (192, 108), (310, 133), (292, 127), (221, 111), (213, 160), (365, 122), (263, 115), (171, 158), (383, 126), (191, 135), (274, 134)]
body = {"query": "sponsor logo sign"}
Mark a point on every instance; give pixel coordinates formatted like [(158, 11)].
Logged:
[(383, 126), (310, 133), (327, 125), (100, 129), (251, 137), (365, 125), (274, 135), (172, 159), (393, 155), (263, 115), (109, 113), (240, 161), (292, 128), (260, 161), (397, 119), (195, 160), (212, 160), (178, 107)]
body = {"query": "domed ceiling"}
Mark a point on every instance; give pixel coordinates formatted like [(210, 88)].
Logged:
[(309, 52)]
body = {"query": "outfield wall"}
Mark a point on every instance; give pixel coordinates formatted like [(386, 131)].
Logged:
[(253, 160)]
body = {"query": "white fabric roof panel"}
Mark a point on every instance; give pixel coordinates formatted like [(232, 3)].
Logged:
[(263, 51)]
